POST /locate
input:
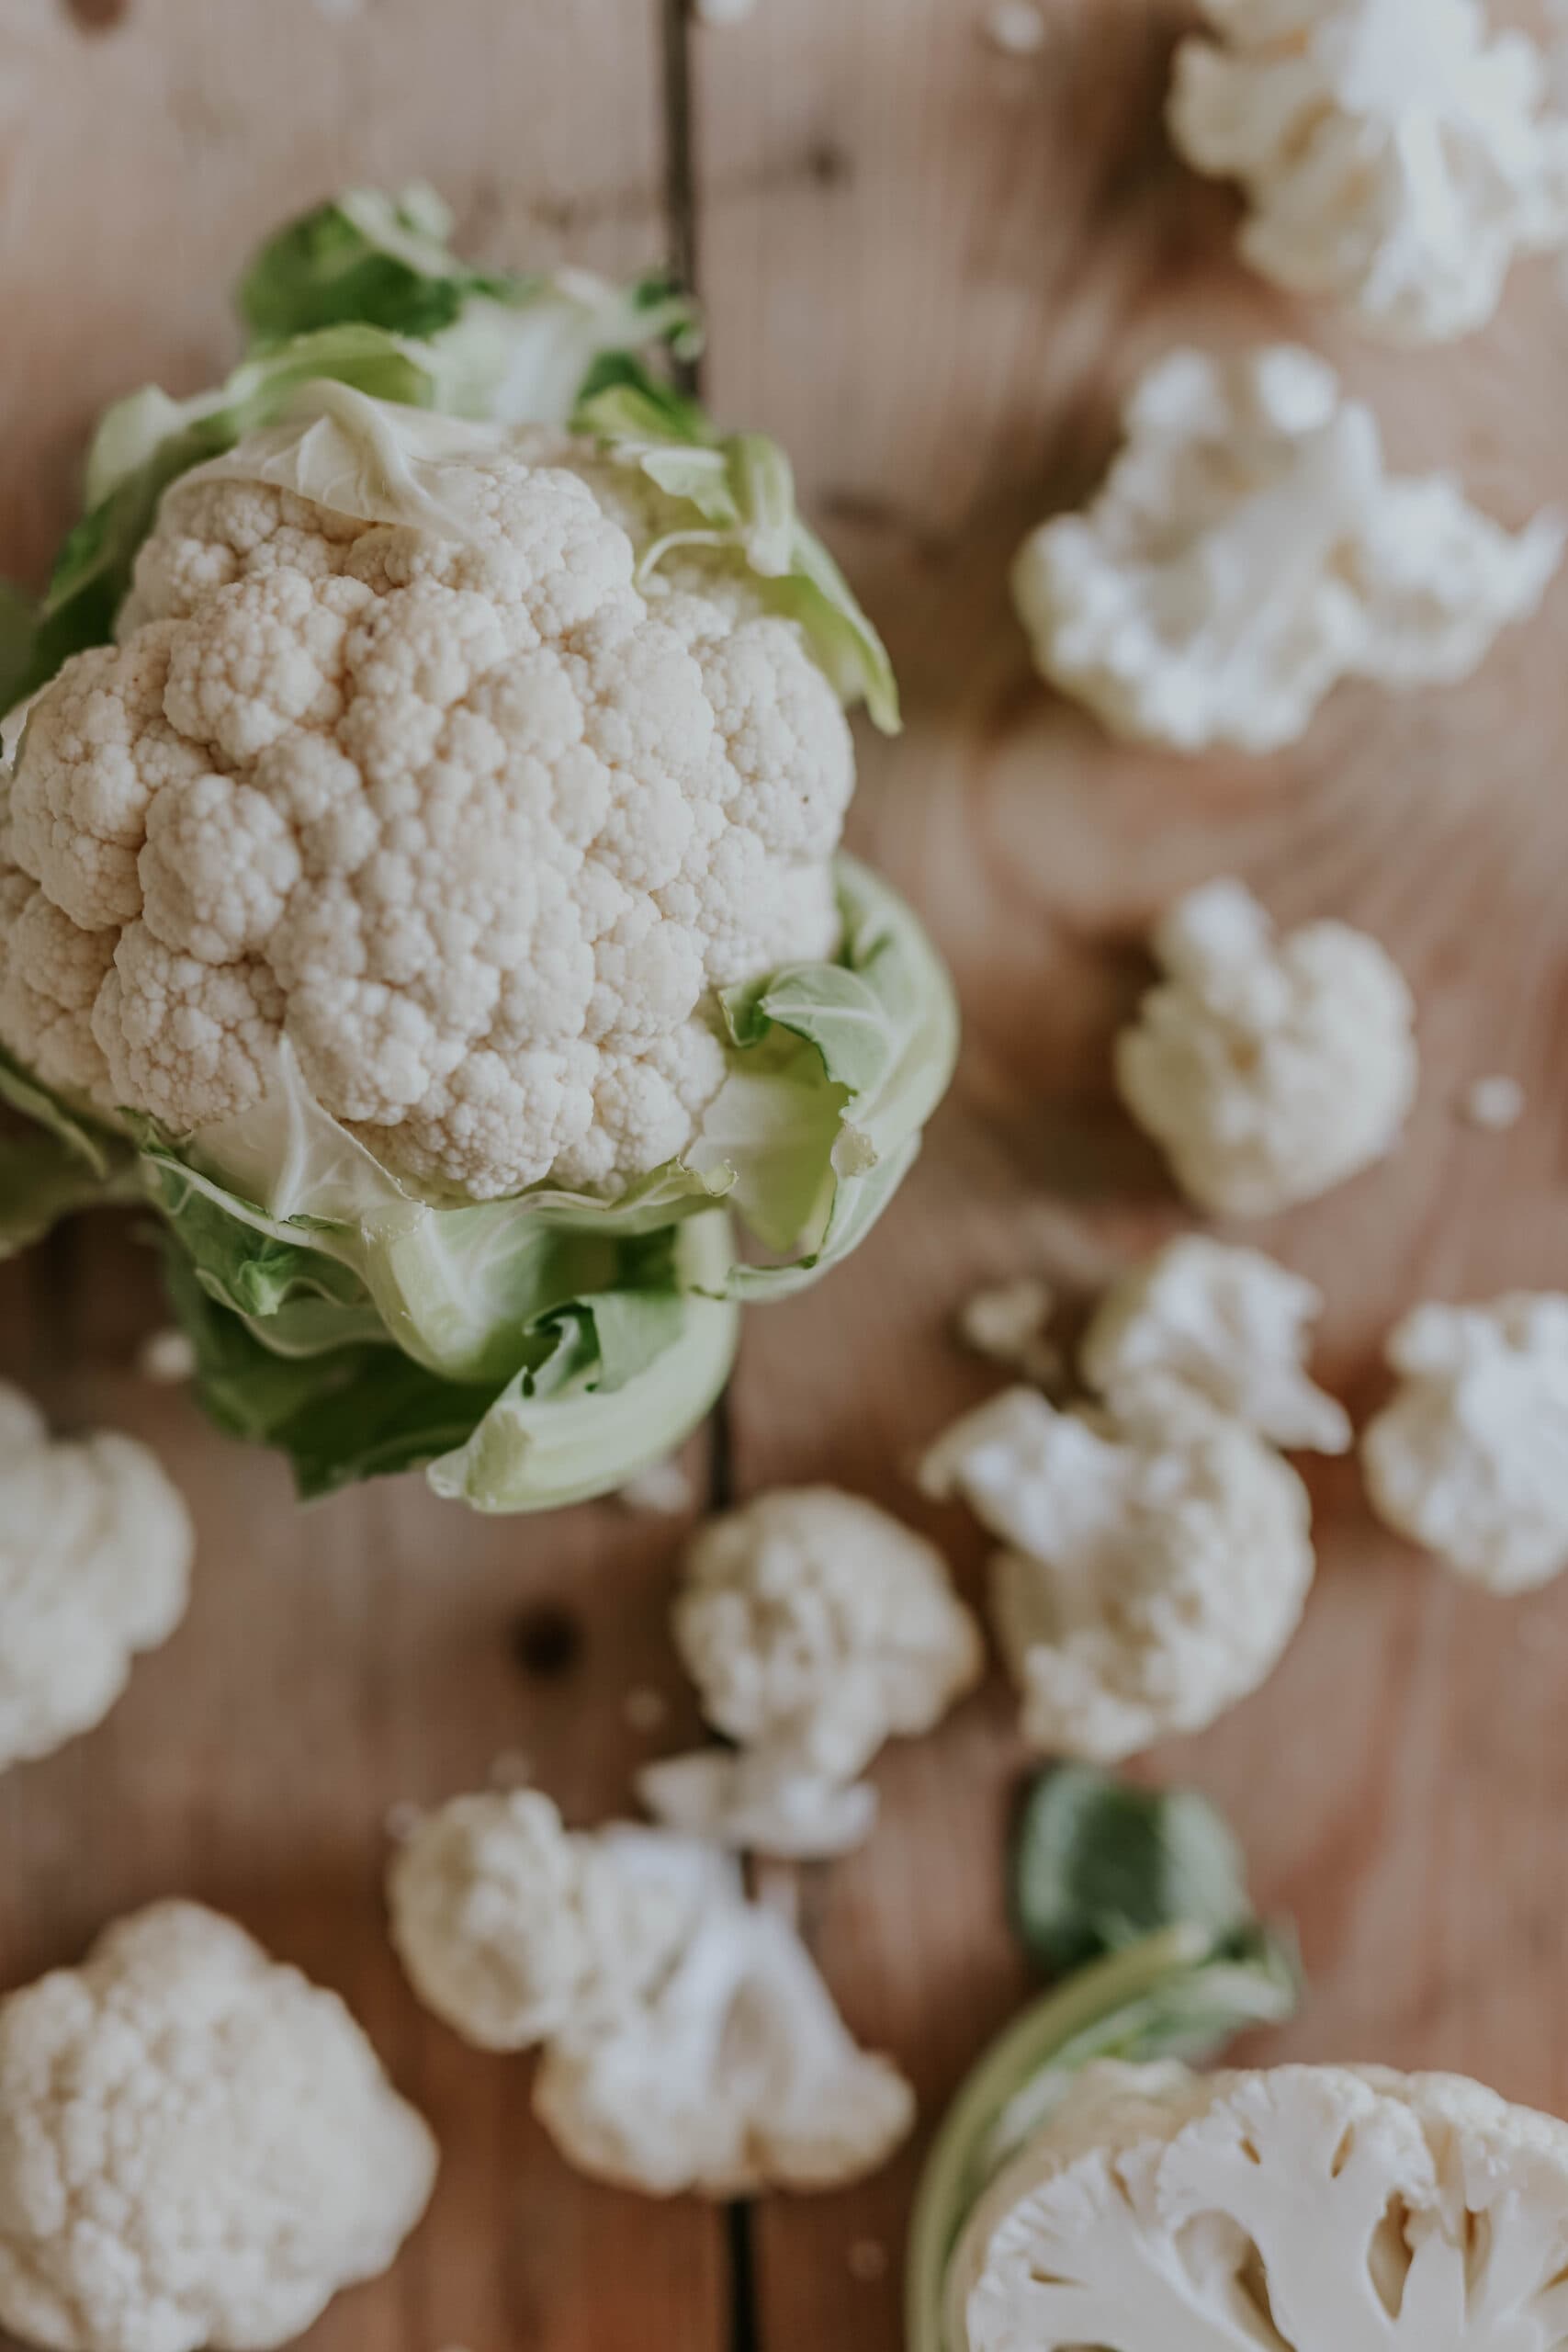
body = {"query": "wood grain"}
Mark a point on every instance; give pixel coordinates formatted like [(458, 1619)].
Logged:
[(940, 318), (370, 1650)]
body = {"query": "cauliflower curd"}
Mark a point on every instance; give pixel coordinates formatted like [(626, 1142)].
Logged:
[(479, 818)]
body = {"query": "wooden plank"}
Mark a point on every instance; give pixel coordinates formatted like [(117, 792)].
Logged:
[(933, 269), (376, 1648)]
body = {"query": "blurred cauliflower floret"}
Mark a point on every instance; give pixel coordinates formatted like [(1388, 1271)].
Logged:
[(1229, 1324), (1268, 1068), (477, 812), (690, 2043), (816, 1628), (95, 1547), (1396, 156), (197, 2147), (1249, 549), (1471, 1457), (1158, 1559)]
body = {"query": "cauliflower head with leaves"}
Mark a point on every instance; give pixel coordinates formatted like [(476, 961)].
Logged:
[(95, 1547), (471, 809), (1311, 2209), (197, 2147)]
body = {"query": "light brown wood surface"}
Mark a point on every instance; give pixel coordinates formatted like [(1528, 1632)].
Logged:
[(931, 269)]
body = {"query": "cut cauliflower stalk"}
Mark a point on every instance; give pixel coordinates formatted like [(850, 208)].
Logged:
[(1249, 550), (480, 813), (1470, 1458), (1229, 1324), (816, 1628), (1307, 2209), (197, 2147), (1268, 1069), (95, 1548), (1158, 1559), (690, 2043), (1396, 157)]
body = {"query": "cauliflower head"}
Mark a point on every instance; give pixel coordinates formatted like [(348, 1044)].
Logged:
[(1470, 1458), (445, 786), (511, 1928), (96, 1549), (197, 2147), (1396, 156), (1312, 2208), (1158, 1563), (1268, 1069), (689, 2043), (1249, 550), (1229, 1324)]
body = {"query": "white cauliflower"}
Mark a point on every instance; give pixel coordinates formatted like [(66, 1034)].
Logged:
[(1157, 1561), (1249, 549), (95, 1548), (1009, 1324), (1307, 2209), (197, 2147), (1470, 1458), (1396, 156), (1268, 1070), (1229, 1324), (690, 2043), (816, 1628), (473, 808)]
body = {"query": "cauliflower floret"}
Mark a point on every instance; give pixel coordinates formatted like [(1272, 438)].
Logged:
[(1230, 1324), (476, 820), (1248, 551), (816, 1628), (1158, 1561), (511, 1929), (1268, 1070), (690, 2043), (95, 1548), (1324, 2209), (1010, 1325), (1470, 1459), (1396, 156), (197, 2147)]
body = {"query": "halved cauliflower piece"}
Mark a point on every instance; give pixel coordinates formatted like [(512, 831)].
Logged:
[(1158, 1559), (1396, 155), (1268, 1069), (96, 1549), (475, 808), (816, 1628), (690, 2043), (1229, 1324), (197, 2147), (1249, 549), (1299, 2209), (1470, 1458)]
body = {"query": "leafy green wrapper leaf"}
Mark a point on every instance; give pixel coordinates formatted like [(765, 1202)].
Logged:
[(1098, 1864)]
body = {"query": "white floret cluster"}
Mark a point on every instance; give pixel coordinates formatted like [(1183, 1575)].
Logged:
[(1396, 155), (1249, 549), (95, 1548), (481, 824), (816, 1628), (690, 2043)]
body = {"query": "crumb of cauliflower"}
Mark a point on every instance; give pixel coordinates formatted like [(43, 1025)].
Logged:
[(197, 2147), (1471, 1457), (1396, 155), (1268, 1069), (1158, 1559), (481, 825), (96, 1549)]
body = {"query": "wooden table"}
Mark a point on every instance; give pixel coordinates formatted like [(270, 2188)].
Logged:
[(931, 268)]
